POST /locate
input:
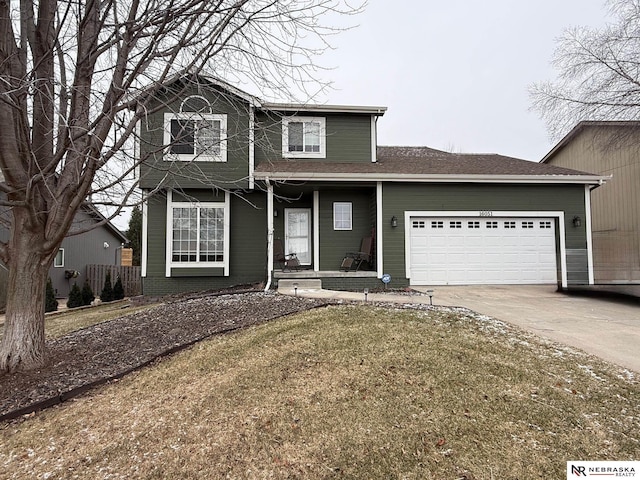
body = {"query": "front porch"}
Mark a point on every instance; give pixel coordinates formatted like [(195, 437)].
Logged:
[(328, 279), (278, 274)]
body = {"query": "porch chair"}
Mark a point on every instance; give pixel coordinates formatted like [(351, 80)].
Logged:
[(287, 261), (354, 260)]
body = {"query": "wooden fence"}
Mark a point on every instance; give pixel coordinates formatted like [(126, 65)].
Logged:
[(130, 276)]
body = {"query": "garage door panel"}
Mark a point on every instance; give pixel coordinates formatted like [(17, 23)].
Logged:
[(483, 251)]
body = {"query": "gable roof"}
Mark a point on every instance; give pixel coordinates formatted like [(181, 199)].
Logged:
[(586, 124), (257, 102), (424, 164), (95, 214)]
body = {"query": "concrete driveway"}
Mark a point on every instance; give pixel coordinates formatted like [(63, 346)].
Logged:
[(601, 326)]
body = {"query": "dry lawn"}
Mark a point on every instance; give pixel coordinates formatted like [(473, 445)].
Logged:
[(344, 392)]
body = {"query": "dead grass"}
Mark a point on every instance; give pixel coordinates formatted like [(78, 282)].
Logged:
[(344, 392)]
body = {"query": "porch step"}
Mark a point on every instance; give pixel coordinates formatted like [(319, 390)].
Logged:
[(301, 283)]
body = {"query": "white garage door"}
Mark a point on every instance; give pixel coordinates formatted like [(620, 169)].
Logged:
[(466, 251)]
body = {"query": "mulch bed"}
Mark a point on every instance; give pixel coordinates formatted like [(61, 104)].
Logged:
[(106, 351)]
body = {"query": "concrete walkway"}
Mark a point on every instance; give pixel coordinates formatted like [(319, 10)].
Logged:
[(604, 327)]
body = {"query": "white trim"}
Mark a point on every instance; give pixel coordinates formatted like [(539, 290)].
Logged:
[(486, 214), (341, 229), (145, 235), (200, 97), (587, 214), (434, 178), (269, 235), (169, 263), (168, 234), (301, 107), (374, 139), (379, 245), (227, 234), (56, 257), (309, 233), (323, 137), (252, 144), (316, 231), (168, 156), (136, 149)]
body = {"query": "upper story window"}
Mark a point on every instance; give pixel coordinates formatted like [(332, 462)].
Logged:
[(304, 137), (195, 133)]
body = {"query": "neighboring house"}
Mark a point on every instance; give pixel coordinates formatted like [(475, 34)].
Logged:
[(100, 246), (226, 174), (612, 149)]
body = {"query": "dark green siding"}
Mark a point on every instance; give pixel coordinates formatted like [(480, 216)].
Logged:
[(248, 246), (334, 244), (232, 173), (348, 138), (399, 198)]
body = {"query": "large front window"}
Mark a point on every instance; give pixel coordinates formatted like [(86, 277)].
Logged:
[(197, 233), (303, 137)]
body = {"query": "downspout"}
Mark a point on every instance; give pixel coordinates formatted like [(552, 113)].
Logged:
[(252, 142), (269, 234)]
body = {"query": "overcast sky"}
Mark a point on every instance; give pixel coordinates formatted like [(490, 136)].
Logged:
[(455, 74)]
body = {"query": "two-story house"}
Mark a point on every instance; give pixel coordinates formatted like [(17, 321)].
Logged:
[(229, 179)]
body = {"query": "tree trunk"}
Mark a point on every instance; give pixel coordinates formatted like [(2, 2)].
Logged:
[(23, 343)]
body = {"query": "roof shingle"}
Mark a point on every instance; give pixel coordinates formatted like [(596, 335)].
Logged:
[(422, 161)]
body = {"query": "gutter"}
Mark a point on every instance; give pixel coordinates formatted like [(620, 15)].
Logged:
[(432, 178)]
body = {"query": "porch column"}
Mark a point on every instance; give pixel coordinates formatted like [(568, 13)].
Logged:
[(379, 228), (269, 234), (587, 215), (316, 231)]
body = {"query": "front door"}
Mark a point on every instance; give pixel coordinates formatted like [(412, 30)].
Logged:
[(297, 239)]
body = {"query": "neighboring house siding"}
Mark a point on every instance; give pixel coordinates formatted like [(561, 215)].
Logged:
[(348, 138), (198, 174), (399, 198), (615, 206), (247, 249), (81, 250)]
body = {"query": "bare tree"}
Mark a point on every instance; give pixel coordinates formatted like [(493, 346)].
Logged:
[(599, 73), (74, 79)]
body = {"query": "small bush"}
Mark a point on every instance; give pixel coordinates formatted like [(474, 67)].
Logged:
[(87, 294), (75, 297), (118, 289), (107, 291), (50, 303)]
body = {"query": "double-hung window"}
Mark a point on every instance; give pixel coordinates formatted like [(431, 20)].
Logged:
[(342, 216), (198, 234), (304, 137), (196, 136)]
